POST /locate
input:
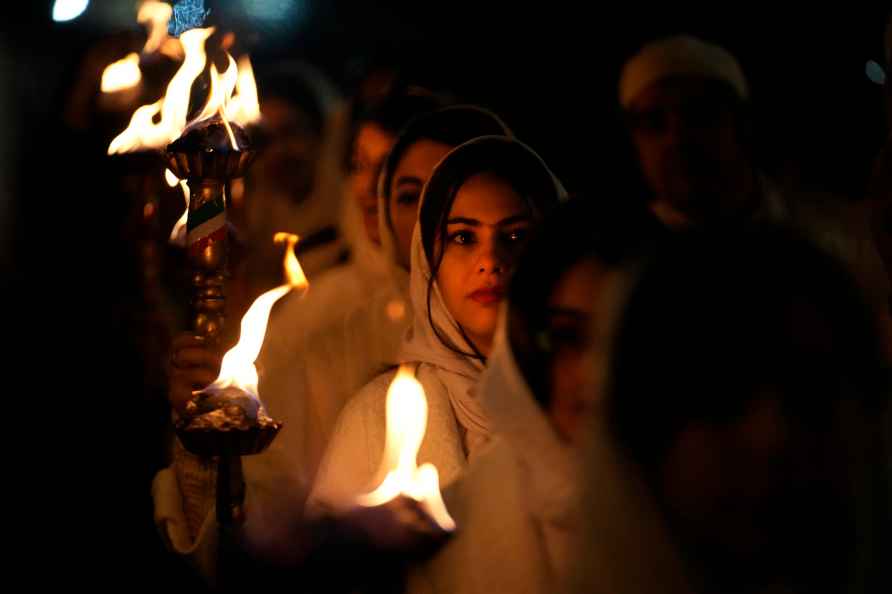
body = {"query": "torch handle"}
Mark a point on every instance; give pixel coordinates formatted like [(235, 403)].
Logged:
[(207, 250), (230, 515)]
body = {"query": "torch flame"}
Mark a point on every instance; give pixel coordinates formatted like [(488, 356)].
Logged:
[(232, 97), (222, 87), (244, 108), (238, 363), (143, 132), (154, 16), (406, 425), (122, 74)]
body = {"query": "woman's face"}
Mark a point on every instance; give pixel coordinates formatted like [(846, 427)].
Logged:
[(486, 228), (409, 177), (570, 312), (369, 151)]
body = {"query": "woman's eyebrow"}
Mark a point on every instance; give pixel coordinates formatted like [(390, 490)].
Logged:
[(463, 221), (521, 218), (409, 179)]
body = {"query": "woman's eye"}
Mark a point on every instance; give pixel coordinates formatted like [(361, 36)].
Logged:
[(407, 198), (462, 238), (516, 235)]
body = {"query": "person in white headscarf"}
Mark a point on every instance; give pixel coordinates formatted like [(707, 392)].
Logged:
[(306, 389), (686, 108), (473, 218), (740, 444), (516, 506), (366, 339)]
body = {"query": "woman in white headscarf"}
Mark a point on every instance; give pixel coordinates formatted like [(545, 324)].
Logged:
[(366, 339), (307, 386), (516, 506), (741, 445), (473, 218)]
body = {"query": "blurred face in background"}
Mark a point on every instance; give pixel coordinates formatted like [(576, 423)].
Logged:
[(570, 318), (687, 135), (747, 491), (370, 149), (410, 175)]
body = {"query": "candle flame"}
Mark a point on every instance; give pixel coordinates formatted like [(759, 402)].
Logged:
[(406, 425), (120, 75), (154, 16), (238, 368)]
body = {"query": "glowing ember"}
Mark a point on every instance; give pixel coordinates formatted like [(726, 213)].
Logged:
[(122, 74), (406, 425), (238, 368)]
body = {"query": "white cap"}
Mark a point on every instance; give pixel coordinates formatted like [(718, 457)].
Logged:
[(681, 55)]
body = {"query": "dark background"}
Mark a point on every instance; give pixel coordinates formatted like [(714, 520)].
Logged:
[(549, 68)]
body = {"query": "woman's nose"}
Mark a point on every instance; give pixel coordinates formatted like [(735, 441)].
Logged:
[(491, 260)]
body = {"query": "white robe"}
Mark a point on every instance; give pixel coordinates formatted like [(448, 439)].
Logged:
[(319, 350), (352, 462), (515, 506)]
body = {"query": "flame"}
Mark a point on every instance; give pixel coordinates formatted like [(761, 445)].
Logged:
[(222, 87), (154, 16), (232, 97), (406, 425), (294, 274), (122, 74), (238, 363), (143, 132), (244, 108)]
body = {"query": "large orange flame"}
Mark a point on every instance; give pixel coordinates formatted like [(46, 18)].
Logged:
[(232, 97), (143, 132), (406, 425), (238, 368)]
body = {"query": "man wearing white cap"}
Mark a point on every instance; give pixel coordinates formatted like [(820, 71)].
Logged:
[(686, 102)]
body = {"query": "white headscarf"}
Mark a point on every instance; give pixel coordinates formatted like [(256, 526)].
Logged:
[(456, 368), (680, 55)]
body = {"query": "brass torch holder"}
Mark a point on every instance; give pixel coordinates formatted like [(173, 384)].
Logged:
[(204, 157), (207, 162)]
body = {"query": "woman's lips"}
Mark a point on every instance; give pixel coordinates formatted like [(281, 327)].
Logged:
[(488, 296)]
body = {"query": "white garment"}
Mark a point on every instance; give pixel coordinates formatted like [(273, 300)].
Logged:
[(516, 505), (681, 55), (320, 348), (351, 463)]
